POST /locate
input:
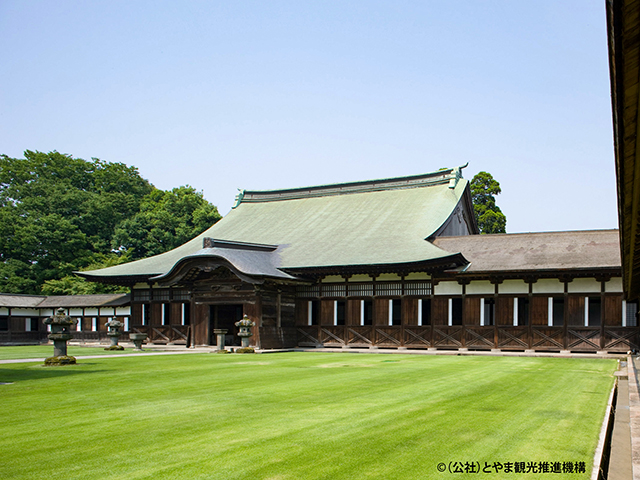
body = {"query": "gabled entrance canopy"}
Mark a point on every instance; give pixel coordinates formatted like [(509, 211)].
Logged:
[(250, 262)]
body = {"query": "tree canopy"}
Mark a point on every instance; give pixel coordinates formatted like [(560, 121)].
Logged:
[(488, 215), (166, 220), (60, 214)]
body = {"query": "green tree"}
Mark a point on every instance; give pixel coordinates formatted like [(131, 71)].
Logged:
[(166, 220), (59, 214), (488, 215), (74, 285)]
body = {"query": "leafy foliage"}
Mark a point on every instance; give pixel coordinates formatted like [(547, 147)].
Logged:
[(488, 215), (166, 220), (74, 285), (59, 214)]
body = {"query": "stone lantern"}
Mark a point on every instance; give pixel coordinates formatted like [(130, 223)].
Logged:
[(220, 334), (60, 333), (245, 332), (114, 332), (137, 339)]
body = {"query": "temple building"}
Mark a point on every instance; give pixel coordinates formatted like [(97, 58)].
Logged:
[(391, 263)]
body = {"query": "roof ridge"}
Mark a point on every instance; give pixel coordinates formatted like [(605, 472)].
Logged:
[(442, 176)]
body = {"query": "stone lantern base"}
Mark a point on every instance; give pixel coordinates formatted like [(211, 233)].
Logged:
[(245, 350), (60, 360), (114, 347)]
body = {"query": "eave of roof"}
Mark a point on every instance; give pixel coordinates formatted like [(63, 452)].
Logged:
[(537, 253), (64, 301), (10, 300), (623, 25)]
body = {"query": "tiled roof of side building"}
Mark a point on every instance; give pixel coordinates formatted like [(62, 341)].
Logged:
[(535, 252), (8, 300), (81, 301), (11, 300), (362, 223)]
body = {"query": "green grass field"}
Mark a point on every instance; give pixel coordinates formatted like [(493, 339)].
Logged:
[(44, 351), (298, 416)]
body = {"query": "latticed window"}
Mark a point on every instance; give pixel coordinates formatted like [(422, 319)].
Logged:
[(161, 295), (334, 290), (417, 288), (389, 288), (181, 295), (361, 290), (308, 291), (141, 295)]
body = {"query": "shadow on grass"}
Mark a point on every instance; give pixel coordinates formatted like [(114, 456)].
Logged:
[(40, 372)]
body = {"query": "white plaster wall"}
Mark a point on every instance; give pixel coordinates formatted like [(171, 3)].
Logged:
[(448, 288), (418, 276), (123, 311), (584, 285), (25, 312), (548, 285), (513, 287), (91, 312), (333, 279), (360, 278), (4, 311), (75, 312), (614, 285), (107, 311), (480, 287), (384, 277)]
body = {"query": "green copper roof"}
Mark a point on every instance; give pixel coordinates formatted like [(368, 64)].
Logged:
[(365, 223)]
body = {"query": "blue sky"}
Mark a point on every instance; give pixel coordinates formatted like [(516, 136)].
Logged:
[(277, 94)]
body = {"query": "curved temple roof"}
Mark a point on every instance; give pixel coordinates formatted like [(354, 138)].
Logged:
[(378, 222)]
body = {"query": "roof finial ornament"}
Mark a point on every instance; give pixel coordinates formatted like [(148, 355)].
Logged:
[(456, 175), (239, 197)]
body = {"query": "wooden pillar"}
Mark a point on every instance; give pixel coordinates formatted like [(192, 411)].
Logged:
[(155, 317), (200, 323), (253, 310), (530, 281), (136, 314), (603, 314), (565, 322), (192, 317)]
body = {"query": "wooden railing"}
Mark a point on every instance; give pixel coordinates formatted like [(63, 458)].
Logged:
[(27, 338), (543, 338), (165, 334)]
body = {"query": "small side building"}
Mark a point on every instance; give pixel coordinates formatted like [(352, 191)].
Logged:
[(22, 316)]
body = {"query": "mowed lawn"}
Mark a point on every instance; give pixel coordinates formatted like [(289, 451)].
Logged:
[(44, 351), (298, 416)]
